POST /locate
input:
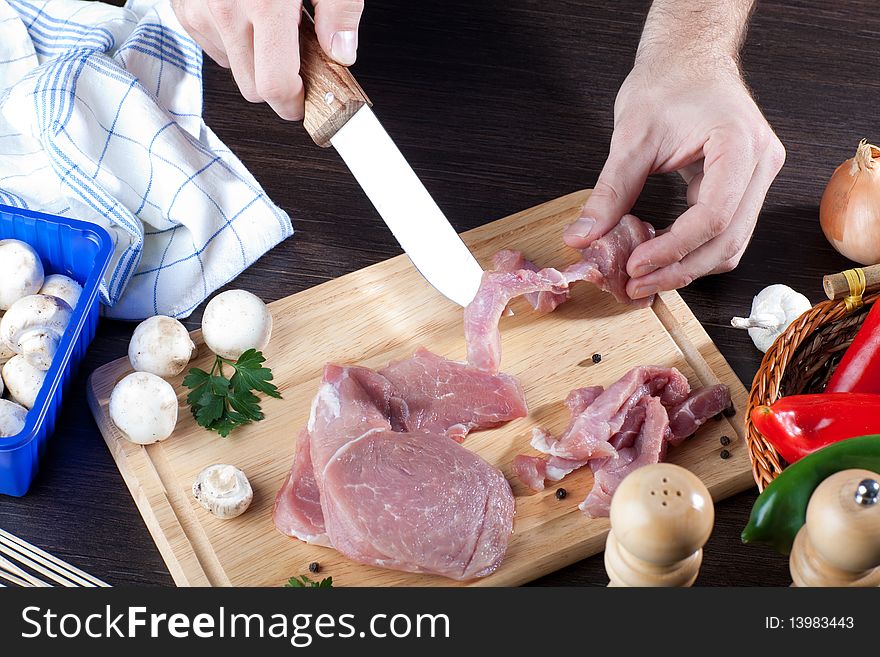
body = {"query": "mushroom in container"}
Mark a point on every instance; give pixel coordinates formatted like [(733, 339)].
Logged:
[(144, 408), (12, 418), (21, 272), (62, 287), (33, 327), (23, 381)]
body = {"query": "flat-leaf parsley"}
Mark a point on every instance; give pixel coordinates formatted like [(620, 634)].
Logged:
[(220, 404), (304, 582)]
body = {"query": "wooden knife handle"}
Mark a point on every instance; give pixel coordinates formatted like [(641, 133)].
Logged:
[(332, 93)]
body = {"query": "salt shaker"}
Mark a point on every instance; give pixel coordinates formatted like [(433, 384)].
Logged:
[(840, 543), (661, 516)]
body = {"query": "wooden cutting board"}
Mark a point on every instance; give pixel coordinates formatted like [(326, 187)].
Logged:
[(385, 312)]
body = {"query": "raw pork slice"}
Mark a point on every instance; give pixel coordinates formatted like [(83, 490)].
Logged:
[(615, 430), (648, 446), (511, 261), (690, 415), (603, 263), (589, 434), (381, 437), (412, 501), (444, 396), (297, 509)]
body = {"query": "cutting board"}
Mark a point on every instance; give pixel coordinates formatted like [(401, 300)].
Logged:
[(385, 312)]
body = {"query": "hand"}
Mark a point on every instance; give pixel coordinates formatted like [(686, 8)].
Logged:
[(704, 125), (259, 40)]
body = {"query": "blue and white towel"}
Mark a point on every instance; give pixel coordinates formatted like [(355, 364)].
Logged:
[(101, 120)]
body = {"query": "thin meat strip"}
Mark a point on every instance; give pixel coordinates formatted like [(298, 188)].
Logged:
[(512, 261), (623, 419), (692, 413), (648, 446), (603, 263), (534, 471), (590, 434)]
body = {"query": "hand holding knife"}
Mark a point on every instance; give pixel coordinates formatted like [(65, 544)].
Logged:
[(338, 113)]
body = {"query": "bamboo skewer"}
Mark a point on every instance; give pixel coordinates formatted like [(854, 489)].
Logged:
[(65, 580), (11, 568), (13, 579), (42, 562)]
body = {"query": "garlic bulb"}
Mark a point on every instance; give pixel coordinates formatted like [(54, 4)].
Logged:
[(773, 309)]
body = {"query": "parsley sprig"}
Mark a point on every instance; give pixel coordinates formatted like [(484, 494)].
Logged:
[(305, 582), (221, 404)]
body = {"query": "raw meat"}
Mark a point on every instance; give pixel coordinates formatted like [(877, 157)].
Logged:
[(688, 416), (444, 396), (603, 263), (412, 501), (376, 476), (648, 446), (620, 429), (481, 317), (297, 509), (590, 432), (511, 261), (535, 470)]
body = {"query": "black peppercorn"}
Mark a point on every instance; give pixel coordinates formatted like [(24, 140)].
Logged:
[(725, 440), (597, 358), (561, 493), (314, 567), (730, 411), (724, 454)]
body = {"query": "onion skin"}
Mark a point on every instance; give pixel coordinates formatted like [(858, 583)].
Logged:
[(850, 209)]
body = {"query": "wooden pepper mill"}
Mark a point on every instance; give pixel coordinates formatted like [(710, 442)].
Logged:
[(661, 516), (840, 543)]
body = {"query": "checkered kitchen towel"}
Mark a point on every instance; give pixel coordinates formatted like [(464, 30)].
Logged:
[(101, 120)]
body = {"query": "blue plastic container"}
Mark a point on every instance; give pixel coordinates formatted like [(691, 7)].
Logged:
[(79, 250)]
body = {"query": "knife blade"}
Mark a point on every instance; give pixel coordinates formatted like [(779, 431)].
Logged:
[(338, 113)]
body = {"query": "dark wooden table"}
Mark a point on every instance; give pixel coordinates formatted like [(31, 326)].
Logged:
[(499, 106)]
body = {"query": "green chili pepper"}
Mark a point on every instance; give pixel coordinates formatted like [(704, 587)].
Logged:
[(781, 510)]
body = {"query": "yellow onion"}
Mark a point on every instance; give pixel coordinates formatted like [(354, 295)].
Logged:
[(850, 207)]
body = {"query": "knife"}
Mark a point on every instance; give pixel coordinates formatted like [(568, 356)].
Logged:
[(338, 113)]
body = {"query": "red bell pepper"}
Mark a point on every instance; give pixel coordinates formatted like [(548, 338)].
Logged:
[(801, 424), (859, 369)]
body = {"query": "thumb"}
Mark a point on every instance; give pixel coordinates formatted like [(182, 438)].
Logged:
[(336, 24), (615, 193)]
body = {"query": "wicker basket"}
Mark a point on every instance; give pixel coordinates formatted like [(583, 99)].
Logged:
[(801, 360)]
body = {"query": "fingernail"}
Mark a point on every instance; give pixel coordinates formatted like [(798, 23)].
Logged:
[(645, 291), (582, 227), (644, 270), (343, 47)]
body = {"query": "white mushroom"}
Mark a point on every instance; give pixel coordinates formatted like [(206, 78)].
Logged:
[(63, 287), (23, 381), (12, 417), (234, 322), (21, 272), (5, 350), (160, 345), (33, 327), (144, 408), (224, 490), (773, 310)]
